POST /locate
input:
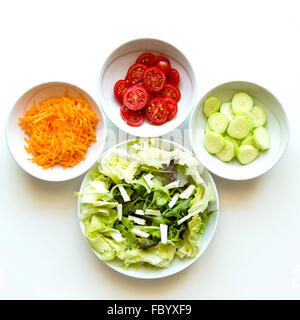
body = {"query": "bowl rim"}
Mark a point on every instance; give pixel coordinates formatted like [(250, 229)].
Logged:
[(9, 114), (191, 260), (278, 158), (128, 129)]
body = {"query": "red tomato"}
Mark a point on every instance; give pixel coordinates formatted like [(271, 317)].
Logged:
[(141, 83), (170, 91), (172, 106), (145, 58), (127, 80), (120, 88), (132, 118), (157, 111), (173, 77), (162, 63), (136, 97), (154, 95), (135, 73), (154, 79)]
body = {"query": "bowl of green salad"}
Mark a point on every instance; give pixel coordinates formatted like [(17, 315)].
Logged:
[(148, 208), (239, 130)]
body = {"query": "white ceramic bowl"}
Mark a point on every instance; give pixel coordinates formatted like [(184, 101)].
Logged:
[(277, 124), (151, 272), (115, 68), (15, 135)]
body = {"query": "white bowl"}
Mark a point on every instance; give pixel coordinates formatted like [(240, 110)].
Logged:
[(115, 68), (151, 272), (277, 124), (15, 135)]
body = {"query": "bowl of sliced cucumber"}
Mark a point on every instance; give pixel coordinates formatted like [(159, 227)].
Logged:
[(239, 130)]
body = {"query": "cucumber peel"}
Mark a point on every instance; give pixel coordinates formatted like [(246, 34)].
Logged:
[(259, 116), (249, 140), (207, 128), (235, 143), (262, 138)]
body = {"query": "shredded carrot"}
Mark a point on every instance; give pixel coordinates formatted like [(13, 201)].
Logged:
[(60, 131)]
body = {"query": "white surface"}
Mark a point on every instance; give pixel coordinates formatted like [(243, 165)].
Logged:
[(15, 135), (116, 67), (255, 251), (177, 265), (277, 125)]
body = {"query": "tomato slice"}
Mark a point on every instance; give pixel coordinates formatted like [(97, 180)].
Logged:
[(120, 88), (132, 118), (157, 111), (135, 73), (145, 58), (162, 63), (170, 91), (173, 77), (154, 79), (172, 107), (136, 97)]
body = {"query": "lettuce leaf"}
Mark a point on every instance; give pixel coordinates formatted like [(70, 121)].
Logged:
[(104, 225), (99, 223), (117, 166), (201, 202), (198, 195), (179, 209), (152, 230), (160, 198), (131, 241), (145, 243), (160, 255), (109, 249), (191, 237)]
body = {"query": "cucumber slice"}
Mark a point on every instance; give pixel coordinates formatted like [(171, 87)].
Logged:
[(262, 138), (235, 143), (218, 122), (211, 105), (241, 102), (227, 152), (249, 141), (247, 154), (207, 128), (239, 127), (227, 110), (259, 116), (213, 142), (248, 116)]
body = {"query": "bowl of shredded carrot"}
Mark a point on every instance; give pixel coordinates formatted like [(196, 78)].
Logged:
[(56, 131)]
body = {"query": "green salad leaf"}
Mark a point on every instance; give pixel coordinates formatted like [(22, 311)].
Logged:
[(128, 227), (179, 209), (188, 247), (160, 255)]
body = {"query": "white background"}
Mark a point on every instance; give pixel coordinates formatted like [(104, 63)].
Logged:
[(255, 252)]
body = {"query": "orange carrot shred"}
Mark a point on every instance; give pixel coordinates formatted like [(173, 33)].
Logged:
[(60, 131)]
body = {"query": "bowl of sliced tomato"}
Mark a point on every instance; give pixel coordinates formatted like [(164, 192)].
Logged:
[(147, 87)]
